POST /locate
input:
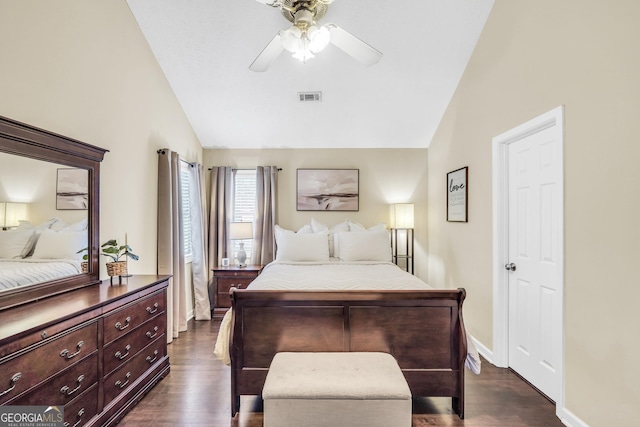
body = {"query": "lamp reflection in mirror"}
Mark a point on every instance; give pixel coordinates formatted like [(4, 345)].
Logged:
[(241, 231), (11, 214), (401, 222)]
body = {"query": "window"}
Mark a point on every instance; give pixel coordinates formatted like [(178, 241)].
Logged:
[(244, 204), (185, 183)]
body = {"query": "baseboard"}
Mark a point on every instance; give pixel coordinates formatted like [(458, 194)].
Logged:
[(568, 418), (483, 350)]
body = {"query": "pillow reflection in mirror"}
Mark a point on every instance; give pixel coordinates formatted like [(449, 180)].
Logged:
[(12, 243), (60, 245)]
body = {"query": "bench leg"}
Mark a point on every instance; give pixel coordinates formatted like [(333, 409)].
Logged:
[(235, 405), (457, 405)]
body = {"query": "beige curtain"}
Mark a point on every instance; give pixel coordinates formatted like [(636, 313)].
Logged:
[(199, 264), (264, 244), (220, 196), (170, 238)]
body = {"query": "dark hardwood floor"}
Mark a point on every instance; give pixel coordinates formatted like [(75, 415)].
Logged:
[(196, 393)]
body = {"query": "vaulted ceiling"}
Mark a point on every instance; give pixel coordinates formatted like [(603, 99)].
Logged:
[(205, 48)]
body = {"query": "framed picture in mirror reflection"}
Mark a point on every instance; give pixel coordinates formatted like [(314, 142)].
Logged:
[(72, 189)]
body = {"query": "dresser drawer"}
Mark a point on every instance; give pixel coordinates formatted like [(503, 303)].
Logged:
[(18, 374), (124, 348), (81, 410), (127, 374), (64, 387), (123, 321)]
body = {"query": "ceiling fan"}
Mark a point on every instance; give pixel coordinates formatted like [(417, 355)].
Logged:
[(306, 37)]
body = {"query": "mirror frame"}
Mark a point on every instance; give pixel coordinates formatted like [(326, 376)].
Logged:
[(28, 141)]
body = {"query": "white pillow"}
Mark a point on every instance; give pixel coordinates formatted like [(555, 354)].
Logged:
[(60, 245), (334, 243), (12, 243), (369, 246), (354, 226), (318, 227), (378, 227), (305, 229), (301, 246), (78, 226)]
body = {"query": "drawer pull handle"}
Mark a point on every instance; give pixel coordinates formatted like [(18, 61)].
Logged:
[(67, 390), (121, 384), (155, 334), (121, 327), (14, 379), (119, 355), (80, 414), (67, 355), (154, 358), (152, 310)]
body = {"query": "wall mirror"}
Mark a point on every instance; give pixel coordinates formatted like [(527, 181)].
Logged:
[(49, 210)]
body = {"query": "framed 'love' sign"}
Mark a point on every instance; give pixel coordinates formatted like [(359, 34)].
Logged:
[(457, 191)]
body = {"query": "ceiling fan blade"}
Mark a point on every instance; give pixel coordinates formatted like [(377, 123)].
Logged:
[(268, 55), (353, 46)]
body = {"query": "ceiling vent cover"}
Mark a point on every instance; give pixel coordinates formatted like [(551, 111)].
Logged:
[(310, 96)]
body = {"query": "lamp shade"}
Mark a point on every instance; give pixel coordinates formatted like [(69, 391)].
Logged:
[(12, 214), (240, 230), (401, 215)]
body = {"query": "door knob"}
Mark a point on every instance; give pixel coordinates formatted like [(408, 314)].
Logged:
[(510, 267)]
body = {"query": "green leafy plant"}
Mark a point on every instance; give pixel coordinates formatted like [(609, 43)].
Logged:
[(85, 257), (112, 250)]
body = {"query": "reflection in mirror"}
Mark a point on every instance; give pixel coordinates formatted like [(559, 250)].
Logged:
[(43, 221)]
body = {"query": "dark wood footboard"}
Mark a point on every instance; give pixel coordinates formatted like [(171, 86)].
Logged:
[(423, 330)]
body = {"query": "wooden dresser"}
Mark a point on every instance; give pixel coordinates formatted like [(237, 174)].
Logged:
[(95, 350), (226, 278)]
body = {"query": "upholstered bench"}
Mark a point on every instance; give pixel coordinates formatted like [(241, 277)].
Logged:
[(336, 389)]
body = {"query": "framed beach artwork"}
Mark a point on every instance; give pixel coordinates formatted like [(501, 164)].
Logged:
[(457, 192), (72, 189), (328, 190)]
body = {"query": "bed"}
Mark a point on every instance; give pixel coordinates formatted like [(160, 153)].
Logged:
[(20, 272), (346, 303), (35, 254)]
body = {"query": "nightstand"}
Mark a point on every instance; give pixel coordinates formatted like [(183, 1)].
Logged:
[(225, 278)]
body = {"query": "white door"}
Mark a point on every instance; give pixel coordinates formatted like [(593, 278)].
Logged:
[(534, 264)]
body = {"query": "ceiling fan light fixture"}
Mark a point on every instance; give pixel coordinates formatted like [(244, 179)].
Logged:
[(319, 38)]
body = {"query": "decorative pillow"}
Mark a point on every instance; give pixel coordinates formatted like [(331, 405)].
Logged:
[(60, 245), (301, 246), (12, 243), (368, 246)]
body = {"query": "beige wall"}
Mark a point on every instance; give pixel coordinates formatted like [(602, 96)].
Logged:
[(531, 58), (386, 176), (83, 69)]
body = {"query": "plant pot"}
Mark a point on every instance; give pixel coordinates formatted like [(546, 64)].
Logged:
[(85, 266), (118, 268)]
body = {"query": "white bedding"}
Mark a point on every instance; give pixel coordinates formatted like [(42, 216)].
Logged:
[(333, 275), (19, 272)]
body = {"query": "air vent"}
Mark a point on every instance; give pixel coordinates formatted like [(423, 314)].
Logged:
[(310, 96)]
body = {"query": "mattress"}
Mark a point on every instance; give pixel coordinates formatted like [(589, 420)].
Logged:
[(334, 275), (20, 272)]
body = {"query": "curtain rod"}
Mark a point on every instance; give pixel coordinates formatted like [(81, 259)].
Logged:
[(235, 169)]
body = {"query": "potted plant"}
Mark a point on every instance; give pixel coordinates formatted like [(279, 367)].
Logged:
[(114, 251), (85, 259)]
